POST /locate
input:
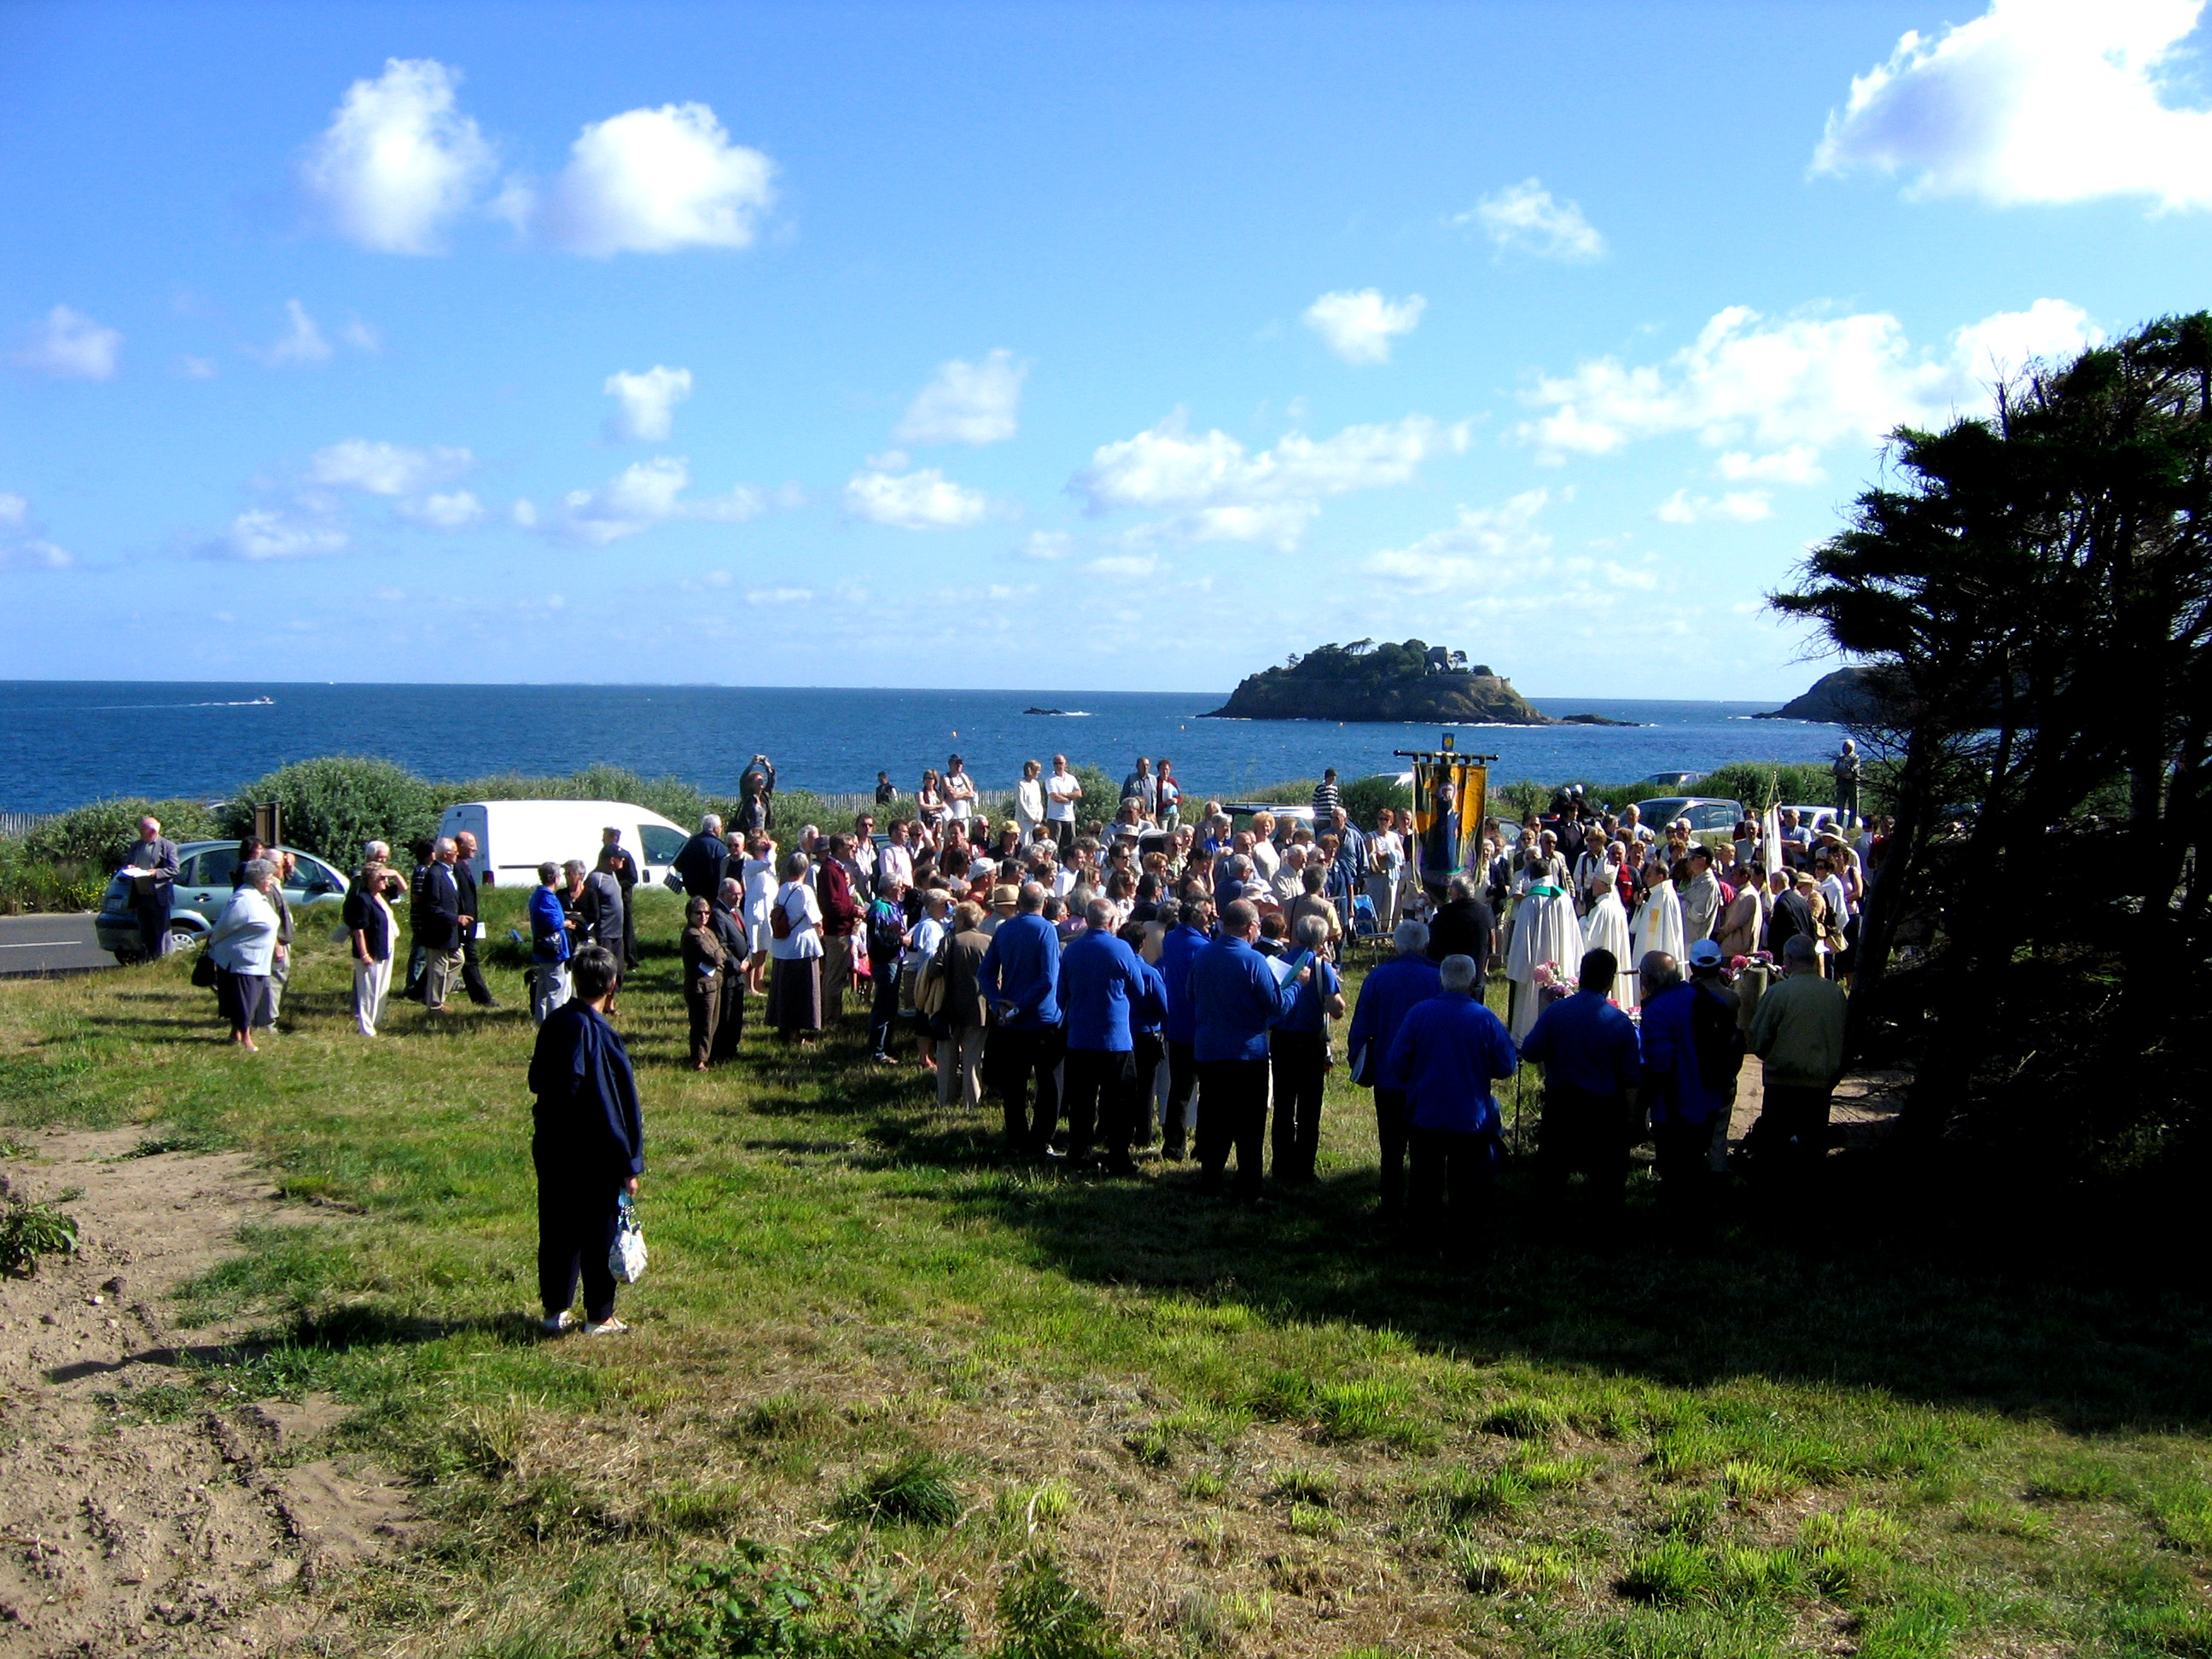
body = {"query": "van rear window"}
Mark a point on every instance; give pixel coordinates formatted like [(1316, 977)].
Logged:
[(662, 844)]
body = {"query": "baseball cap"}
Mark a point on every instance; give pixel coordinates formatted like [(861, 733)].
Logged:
[(1705, 953)]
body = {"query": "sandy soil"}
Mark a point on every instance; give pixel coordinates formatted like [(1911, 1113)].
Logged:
[(120, 1535)]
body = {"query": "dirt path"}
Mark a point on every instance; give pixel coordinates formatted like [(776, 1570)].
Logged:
[(134, 1519)]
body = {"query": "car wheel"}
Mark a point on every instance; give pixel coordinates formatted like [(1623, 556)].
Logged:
[(127, 958), (182, 939)]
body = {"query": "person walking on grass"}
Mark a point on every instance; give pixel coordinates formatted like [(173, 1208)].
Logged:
[(370, 930), (1592, 1065), (1449, 1050), (705, 960), (149, 864), (1797, 1032), (1020, 979), (439, 926), (1391, 991), (1239, 999), (243, 945), (552, 944), (587, 1146)]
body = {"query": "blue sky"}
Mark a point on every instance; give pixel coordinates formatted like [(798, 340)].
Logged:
[(1042, 346)]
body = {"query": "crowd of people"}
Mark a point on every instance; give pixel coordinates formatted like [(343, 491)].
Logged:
[(1127, 975)]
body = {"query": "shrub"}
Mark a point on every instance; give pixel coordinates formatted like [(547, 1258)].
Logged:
[(28, 1231), (1527, 1419), (96, 835), (1752, 783), (331, 806), (1043, 1616), (1364, 797)]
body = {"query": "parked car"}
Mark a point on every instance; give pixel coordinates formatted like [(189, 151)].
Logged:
[(1712, 819), (1668, 780), (1815, 818), (514, 837), (203, 888), (1241, 812)]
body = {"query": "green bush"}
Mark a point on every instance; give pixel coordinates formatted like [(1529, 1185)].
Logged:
[(32, 884), (96, 835), (1364, 797), (916, 1491), (1755, 782), (1043, 1616), (331, 806)]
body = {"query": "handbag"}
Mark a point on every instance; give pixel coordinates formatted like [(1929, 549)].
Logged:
[(203, 972), (626, 1255)]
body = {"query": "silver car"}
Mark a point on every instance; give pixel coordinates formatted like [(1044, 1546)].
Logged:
[(204, 869)]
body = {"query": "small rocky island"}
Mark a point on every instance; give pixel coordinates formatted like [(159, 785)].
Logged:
[(1848, 696), (1414, 681)]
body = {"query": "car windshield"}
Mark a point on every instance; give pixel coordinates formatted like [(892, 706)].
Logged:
[(662, 844), (1665, 809)]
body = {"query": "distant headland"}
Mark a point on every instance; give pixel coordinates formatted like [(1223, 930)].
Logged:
[(1414, 681)]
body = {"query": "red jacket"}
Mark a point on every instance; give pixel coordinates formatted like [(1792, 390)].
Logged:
[(832, 890)]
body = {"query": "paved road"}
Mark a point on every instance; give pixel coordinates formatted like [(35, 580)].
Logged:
[(49, 945)]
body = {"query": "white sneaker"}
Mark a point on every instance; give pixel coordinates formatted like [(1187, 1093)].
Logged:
[(606, 1328), (557, 1324)]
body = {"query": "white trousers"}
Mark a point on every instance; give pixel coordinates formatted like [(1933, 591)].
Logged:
[(548, 988), (372, 982)]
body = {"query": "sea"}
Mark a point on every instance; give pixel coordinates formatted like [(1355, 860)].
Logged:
[(65, 743)]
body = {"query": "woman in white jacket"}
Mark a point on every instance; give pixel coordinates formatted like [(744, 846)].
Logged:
[(243, 945), (794, 947), (1028, 800)]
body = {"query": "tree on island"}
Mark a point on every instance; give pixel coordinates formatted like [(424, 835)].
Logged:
[(2036, 593)]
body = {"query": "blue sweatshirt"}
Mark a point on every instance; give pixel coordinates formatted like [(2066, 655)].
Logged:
[(1177, 952), (1585, 1042), (1103, 982), (1306, 1009), (1447, 1050), (1391, 991), (1672, 1088), (1234, 990), (587, 1113), (549, 940), (1023, 967)]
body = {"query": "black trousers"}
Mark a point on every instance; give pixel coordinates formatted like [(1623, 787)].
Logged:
[(884, 1010), (1295, 1058), (1586, 1134), (152, 911), (1451, 1182), (1102, 1102), (1234, 1097), (1012, 1057), (629, 957), (1063, 835), (1390, 1140), (1683, 1166), (418, 960), (578, 1212), (1182, 1083), (730, 1026), (1791, 1136), (1151, 1051), (472, 979)]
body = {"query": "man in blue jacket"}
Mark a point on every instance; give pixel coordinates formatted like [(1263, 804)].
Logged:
[(1593, 1067), (1189, 922), (587, 1144), (1236, 997), (1391, 991), (1449, 1049), (1105, 988), (1682, 1104), (1020, 981)]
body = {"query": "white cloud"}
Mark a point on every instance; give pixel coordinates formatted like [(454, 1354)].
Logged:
[(1737, 505), (399, 162), (1802, 383), (2033, 102), (70, 346), (1047, 546), (637, 499), (925, 499), (22, 547), (1126, 567), (779, 596), (1800, 464), (456, 510), (648, 402), (1526, 218), (384, 469), (265, 533), (303, 343), (197, 368), (525, 513), (361, 335), (649, 181), (1485, 545), (1359, 325), (966, 403), (1229, 495)]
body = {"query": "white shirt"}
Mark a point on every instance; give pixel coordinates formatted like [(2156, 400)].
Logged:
[(796, 899), (960, 793), (1028, 802), (1266, 859), (1061, 790), (1385, 852), (894, 864), (929, 933)]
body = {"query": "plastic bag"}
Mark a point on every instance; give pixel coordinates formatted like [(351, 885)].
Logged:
[(626, 1257)]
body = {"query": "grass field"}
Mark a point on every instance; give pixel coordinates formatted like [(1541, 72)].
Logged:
[(885, 1387)]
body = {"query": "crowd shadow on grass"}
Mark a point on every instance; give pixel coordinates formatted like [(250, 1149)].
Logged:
[(1824, 1289)]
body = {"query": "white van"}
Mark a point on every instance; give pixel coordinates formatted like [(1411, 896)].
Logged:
[(514, 837)]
